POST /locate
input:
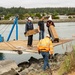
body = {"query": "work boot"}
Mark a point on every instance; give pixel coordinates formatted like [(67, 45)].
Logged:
[(48, 71)]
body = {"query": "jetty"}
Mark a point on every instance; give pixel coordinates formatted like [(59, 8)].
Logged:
[(21, 45)]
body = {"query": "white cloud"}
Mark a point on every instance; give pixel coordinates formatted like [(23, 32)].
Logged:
[(37, 3)]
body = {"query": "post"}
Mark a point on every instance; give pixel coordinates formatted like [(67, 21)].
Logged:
[(15, 23)]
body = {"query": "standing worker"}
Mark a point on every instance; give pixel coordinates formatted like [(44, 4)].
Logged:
[(50, 22), (41, 28), (29, 26), (45, 47)]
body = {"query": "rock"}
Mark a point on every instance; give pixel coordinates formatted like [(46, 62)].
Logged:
[(7, 65), (24, 72), (33, 60), (11, 72), (24, 65)]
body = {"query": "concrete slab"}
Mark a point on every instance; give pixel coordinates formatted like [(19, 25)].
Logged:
[(7, 65)]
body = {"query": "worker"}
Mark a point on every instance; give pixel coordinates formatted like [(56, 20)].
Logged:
[(29, 26), (50, 22), (45, 47), (41, 28)]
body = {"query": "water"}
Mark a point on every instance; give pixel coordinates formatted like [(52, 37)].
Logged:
[(64, 30)]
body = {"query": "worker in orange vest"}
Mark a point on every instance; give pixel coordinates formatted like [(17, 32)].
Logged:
[(45, 47)]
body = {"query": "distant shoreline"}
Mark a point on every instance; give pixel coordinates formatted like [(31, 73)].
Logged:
[(35, 21)]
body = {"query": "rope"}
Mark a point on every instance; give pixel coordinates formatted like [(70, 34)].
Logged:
[(12, 47), (5, 29)]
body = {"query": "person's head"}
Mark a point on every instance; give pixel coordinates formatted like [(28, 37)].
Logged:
[(30, 19)]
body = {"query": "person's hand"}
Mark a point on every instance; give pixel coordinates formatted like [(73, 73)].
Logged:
[(25, 32), (39, 30), (39, 52), (51, 56)]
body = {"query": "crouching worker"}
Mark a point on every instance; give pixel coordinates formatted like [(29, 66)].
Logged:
[(45, 47)]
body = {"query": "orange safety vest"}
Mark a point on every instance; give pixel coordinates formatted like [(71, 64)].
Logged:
[(45, 45)]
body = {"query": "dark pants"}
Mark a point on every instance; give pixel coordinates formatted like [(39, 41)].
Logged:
[(41, 35), (30, 39), (46, 59)]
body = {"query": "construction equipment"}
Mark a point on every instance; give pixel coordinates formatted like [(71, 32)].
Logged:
[(15, 24)]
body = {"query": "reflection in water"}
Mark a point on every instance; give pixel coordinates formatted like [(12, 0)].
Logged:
[(1, 56)]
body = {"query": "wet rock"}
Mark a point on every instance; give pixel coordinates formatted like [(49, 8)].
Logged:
[(33, 60), (24, 65), (40, 60)]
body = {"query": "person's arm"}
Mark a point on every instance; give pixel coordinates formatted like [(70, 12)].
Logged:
[(32, 25), (38, 46), (39, 26), (51, 48), (25, 28)]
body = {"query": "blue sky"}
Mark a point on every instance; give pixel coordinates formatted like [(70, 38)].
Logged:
[(37, 3)]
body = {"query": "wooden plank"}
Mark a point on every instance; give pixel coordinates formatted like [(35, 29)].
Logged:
[(53, 33), (22, 45), (31, 32)]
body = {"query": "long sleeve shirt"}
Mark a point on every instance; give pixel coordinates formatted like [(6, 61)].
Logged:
[(29, 26), (45, 45)]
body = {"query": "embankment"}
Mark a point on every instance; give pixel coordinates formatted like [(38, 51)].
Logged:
[(35, 21)]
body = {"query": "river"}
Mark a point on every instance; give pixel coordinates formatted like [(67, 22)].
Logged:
[(64, 30)]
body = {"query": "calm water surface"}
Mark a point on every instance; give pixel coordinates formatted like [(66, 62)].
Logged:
[(64, 30)]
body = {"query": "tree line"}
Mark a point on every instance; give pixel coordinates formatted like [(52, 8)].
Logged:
[(35, 12)]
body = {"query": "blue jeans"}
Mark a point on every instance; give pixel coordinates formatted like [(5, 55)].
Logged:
[(41, 35), (46, 59)]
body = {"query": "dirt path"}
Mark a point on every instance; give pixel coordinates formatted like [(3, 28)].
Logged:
[(73, 73), (55, 73)]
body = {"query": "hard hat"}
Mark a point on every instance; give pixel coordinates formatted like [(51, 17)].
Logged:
[(50, 18), (30, 18), (47, 35)]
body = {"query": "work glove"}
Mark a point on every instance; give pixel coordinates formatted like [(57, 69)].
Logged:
[(25, 32), (39, 52), (50, 56)]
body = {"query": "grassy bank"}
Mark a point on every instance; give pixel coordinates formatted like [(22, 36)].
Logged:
[(35, 21), (68, 65)]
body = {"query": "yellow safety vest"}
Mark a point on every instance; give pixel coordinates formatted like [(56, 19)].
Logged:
[(45, 45)]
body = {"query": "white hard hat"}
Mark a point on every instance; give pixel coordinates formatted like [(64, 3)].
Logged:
[(50, 18), (47, 35), (30, 18)]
